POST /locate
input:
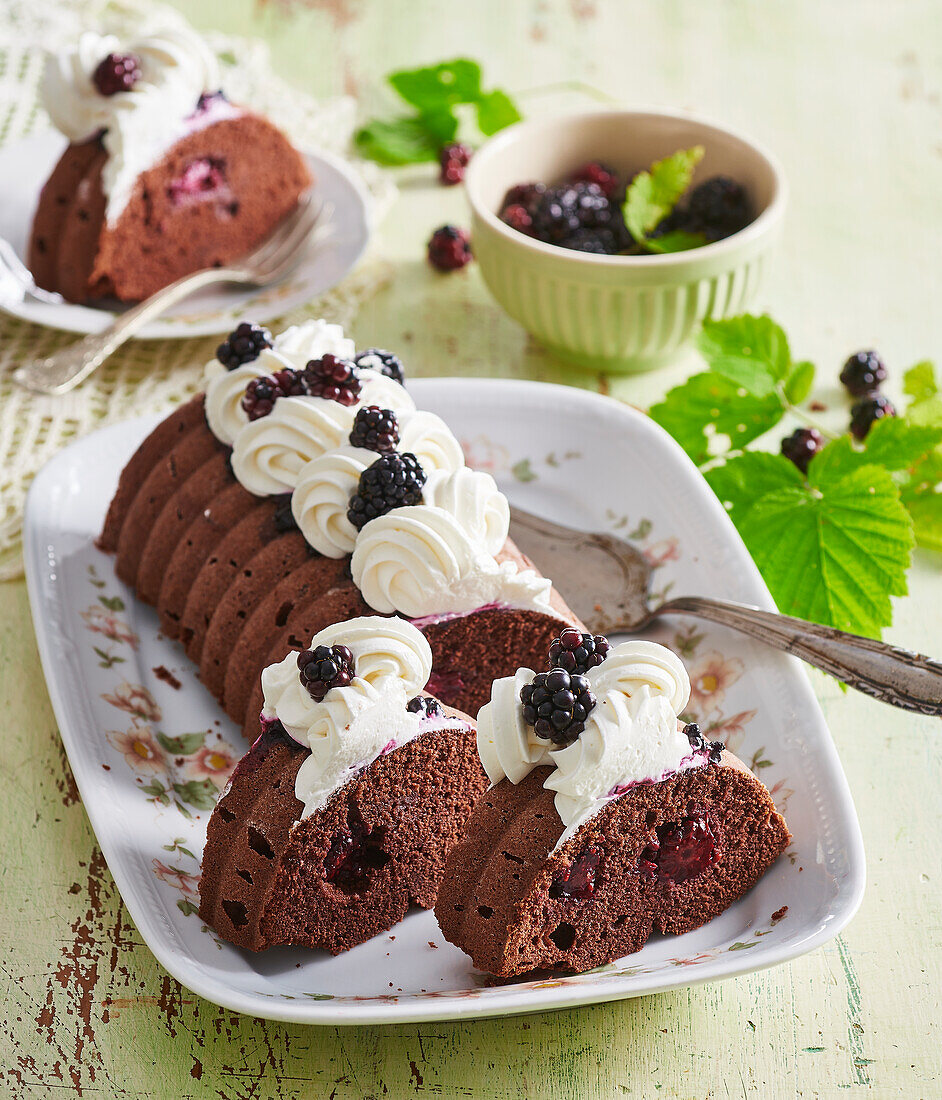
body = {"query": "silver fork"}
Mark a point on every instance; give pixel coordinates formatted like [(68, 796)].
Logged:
[(271, 261), (605, 581)]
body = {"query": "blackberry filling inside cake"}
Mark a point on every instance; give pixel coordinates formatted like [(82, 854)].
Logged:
[(606, 820), (342, 814)]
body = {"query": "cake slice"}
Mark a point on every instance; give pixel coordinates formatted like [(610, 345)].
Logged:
[(342, 814), (606, 820), (162, 175)]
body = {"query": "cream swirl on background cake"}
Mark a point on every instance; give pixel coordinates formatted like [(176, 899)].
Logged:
[(142, 123), (353, 724), (631, 735)]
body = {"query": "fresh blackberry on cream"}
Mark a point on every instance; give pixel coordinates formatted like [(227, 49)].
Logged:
[(243, 345), (118, 72), (262, 393), (556, 704), (333, 379), (393, 481), (577, 652), (325, 667), (382, 361), (375, 429), (424, 705)]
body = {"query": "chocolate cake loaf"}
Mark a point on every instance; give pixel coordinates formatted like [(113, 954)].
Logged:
[(233, 519), (329, 832), (163, 175), (604, 825)]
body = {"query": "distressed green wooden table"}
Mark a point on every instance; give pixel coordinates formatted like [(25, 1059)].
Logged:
[(848, 94)]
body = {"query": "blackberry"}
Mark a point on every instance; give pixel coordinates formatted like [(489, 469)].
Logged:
[(207, 99), (517, 217), (865, 412), (424, 705), (262, 393), (801, 446), (383, 361), (333, 379), (449, 248), (118, 72), (375, 429), (563, 210), (526, 195), (599, 242), (863, 373), (243, 345), (393, 481), (602, 175), (556, 704), (718, 208), (453, 159), (577, 652), (692, 732), (325, 667), (716, 750)]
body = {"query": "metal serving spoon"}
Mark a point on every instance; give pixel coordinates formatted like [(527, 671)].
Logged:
[(607, 583)]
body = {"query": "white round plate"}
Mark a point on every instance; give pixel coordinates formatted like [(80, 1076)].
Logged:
[(25, 167)]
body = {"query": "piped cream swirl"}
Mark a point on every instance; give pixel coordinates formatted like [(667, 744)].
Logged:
[(351, 725)]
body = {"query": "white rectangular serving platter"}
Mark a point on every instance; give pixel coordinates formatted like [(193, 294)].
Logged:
[(149, 755)]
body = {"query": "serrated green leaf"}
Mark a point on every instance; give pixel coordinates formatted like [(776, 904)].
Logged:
[(652, 195), (184, 745), (892, 442), (495, 111), (751, 351), (710, 400), (432, 87), (746, 478), (799, 382), (834, 553), (406, 140), (676, 241), (925, 510), (920, 381)]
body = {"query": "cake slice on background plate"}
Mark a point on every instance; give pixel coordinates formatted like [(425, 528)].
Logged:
[(606, 820), (341, 815), (162, 176), (305, 488)]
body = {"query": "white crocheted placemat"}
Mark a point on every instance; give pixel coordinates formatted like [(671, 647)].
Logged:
[(144, 376)]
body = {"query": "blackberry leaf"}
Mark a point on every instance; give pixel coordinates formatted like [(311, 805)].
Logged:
[(746, 478), (678, 240), (434, 87), (834, 553), (751, 351), (652, 195), (799, 382), (406, 140), (495, 110), (919, 382), (892, 443), (711, 401)]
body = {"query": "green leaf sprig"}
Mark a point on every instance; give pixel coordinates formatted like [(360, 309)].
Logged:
[(434, 92), (833, 545), (652, 196)]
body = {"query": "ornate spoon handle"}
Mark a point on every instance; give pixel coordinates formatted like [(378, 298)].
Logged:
[(892, 675)]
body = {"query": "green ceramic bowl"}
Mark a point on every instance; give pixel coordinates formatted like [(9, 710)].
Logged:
[(619, 313)]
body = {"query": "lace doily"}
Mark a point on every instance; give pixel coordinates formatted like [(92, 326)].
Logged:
[(143, 376)]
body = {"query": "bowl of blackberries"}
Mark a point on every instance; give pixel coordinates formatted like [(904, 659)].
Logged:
[(612, 235)]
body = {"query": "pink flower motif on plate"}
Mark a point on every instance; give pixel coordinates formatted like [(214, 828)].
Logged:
[(710, 678), (731, 731), (139, 748), (100, 620), (136, 700), (482, 453), (173, 876), (214, 764), (659, 553)]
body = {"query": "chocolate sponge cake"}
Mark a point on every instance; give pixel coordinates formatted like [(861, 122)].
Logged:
[(606, 821), (162, 176), (331, 869)]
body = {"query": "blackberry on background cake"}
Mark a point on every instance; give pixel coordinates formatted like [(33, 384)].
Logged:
[(163, 175), (305, 488), (341, 815), (606, 820)]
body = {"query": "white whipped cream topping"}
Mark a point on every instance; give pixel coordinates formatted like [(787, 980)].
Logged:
[(326, 484), (473, 498), (269, 453), (140, 125), (353, 725), (430, 439), (420, 561), (313, 339), (630, 736)]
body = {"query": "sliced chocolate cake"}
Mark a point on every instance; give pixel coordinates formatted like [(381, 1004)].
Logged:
[(305, 489), (163, 175), (606, 821), (342, 814)]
